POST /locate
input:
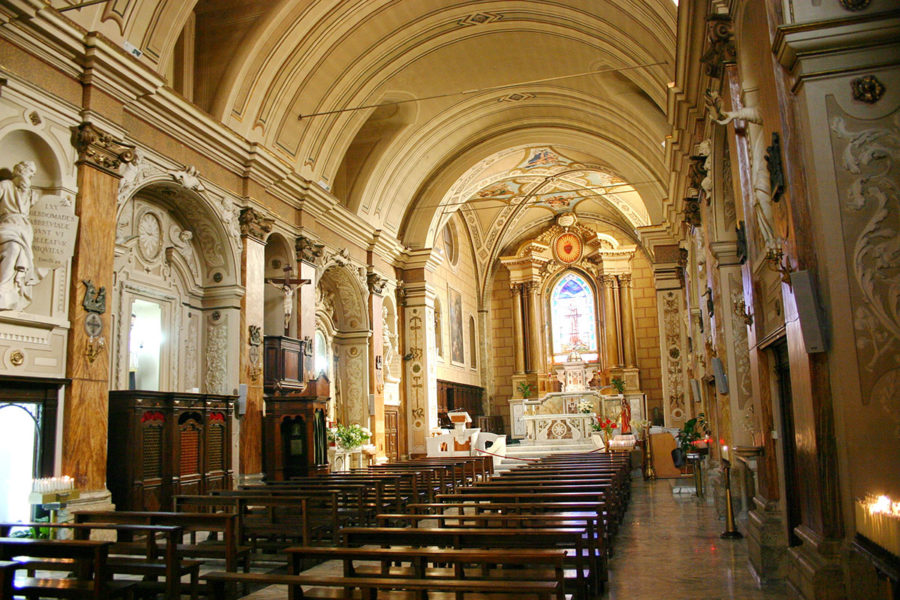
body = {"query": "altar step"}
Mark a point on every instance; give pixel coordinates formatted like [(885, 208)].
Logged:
[(536, 451)]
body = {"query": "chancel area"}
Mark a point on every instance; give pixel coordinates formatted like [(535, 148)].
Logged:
[(475, 299)]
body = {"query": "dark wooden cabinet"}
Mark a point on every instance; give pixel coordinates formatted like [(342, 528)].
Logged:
[(163, 443), (295, 440), (285, 362), (458, 396)]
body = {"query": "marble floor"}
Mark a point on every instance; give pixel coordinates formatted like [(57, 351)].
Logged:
[(667, 548)]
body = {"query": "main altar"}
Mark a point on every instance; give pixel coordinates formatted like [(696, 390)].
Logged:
[(568, 416)]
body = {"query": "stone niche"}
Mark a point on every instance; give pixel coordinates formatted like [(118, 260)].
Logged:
[(34, 322)]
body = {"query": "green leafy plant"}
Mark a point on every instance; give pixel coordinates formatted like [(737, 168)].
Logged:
[(693, 430), (34, 533), (525, 389), (619, 384), (349, 437)]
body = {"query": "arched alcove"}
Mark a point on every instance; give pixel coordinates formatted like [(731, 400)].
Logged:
[(175, 298), (342, 319), (280, 263)]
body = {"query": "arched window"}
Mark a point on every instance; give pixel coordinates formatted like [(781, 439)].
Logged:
[(322, 361), (574, 318)]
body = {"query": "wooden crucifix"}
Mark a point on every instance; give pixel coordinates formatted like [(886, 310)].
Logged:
[(286, 285)]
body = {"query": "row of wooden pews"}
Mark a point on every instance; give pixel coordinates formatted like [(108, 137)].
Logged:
[(542, 530)]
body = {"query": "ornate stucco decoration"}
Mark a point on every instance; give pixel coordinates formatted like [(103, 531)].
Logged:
[(854, 4), (189, 177), (867, 89), (255, 224), (692, 214), (720, 45), (101, 150)]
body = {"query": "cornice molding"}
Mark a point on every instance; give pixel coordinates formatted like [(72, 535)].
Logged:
[(823, 47)]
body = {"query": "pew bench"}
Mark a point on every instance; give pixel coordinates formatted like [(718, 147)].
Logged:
[(91, 580), (341, 588)]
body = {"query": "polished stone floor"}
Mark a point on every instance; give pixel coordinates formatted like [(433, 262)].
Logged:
[(668, 548)]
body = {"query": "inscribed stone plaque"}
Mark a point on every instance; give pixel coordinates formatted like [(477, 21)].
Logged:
[(55, 227)]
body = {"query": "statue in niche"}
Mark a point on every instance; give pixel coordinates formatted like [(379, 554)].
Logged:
[(388, 339), (762, 193), (17, 273)]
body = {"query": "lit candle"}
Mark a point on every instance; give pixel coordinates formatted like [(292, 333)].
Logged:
[(725, 452)]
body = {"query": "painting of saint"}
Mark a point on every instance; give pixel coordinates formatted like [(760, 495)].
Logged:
[(457, 353)]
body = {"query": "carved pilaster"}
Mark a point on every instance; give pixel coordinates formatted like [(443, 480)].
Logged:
[(610, 320), (254, 224), (627, 310), (101, 150), (518, 340)]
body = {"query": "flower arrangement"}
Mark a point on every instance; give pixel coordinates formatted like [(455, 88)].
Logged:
[(604, 425), (349, 437), (585, 407)]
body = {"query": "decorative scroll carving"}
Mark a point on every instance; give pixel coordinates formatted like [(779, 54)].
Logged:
[(101, 150), (855, 4), (692, 214), (721, 50), (673, 354), (870, 201), (867, 89), (255, 224)]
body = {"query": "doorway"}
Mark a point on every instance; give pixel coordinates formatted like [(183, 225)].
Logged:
[(788, 447)]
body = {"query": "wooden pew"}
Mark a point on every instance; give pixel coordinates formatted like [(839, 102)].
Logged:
[(370, 586), (92, 578), (496, 539), (225, 524), (544, 565), (127, 558)]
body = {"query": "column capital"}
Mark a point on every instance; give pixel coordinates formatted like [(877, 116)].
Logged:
[(308, 249), (625, 280), (607, 280), (254, 224), (100, 150)]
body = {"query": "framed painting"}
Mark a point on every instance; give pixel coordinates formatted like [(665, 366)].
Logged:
[(457, 351)]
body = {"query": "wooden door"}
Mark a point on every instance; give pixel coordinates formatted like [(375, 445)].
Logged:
[(392, 433)]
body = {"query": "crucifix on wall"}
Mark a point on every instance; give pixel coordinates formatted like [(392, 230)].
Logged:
[(574, 338), (287, 285)]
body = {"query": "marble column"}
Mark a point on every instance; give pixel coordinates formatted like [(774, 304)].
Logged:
[(420, 376), (377, 366), (535, 326), (627, 318), (85, 419), (518, 338), (610, 321), (254, 229)]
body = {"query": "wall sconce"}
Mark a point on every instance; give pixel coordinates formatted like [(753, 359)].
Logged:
[(95, 346), (779, 264), (740, 309)]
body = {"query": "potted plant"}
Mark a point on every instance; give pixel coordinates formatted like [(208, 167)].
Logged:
[(525, 389), (692, 431), (619, 384), (349, 438)]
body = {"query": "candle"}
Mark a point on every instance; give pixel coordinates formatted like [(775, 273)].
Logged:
[(725, 452)]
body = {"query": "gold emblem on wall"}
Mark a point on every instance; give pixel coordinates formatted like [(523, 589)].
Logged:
[(567, 248)]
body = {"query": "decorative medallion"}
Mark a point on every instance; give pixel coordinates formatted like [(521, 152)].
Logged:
[(17, 358), (93, 325), (867, 89), (567, 248), (566, 219), (854, 4), (149, 236)]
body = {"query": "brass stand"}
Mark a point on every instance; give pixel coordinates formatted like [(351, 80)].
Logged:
[(649, 471), (731, 532)]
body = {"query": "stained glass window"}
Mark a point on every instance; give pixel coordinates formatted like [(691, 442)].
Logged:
[(574, 318)]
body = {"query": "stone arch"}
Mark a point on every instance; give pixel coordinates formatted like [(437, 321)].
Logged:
[(176, 259), (343, 316)]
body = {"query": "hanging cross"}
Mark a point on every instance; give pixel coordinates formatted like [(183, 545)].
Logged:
[(286, 285), (574, 315)]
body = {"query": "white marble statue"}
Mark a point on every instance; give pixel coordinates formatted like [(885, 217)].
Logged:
[(17, 273), (388, 340)]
